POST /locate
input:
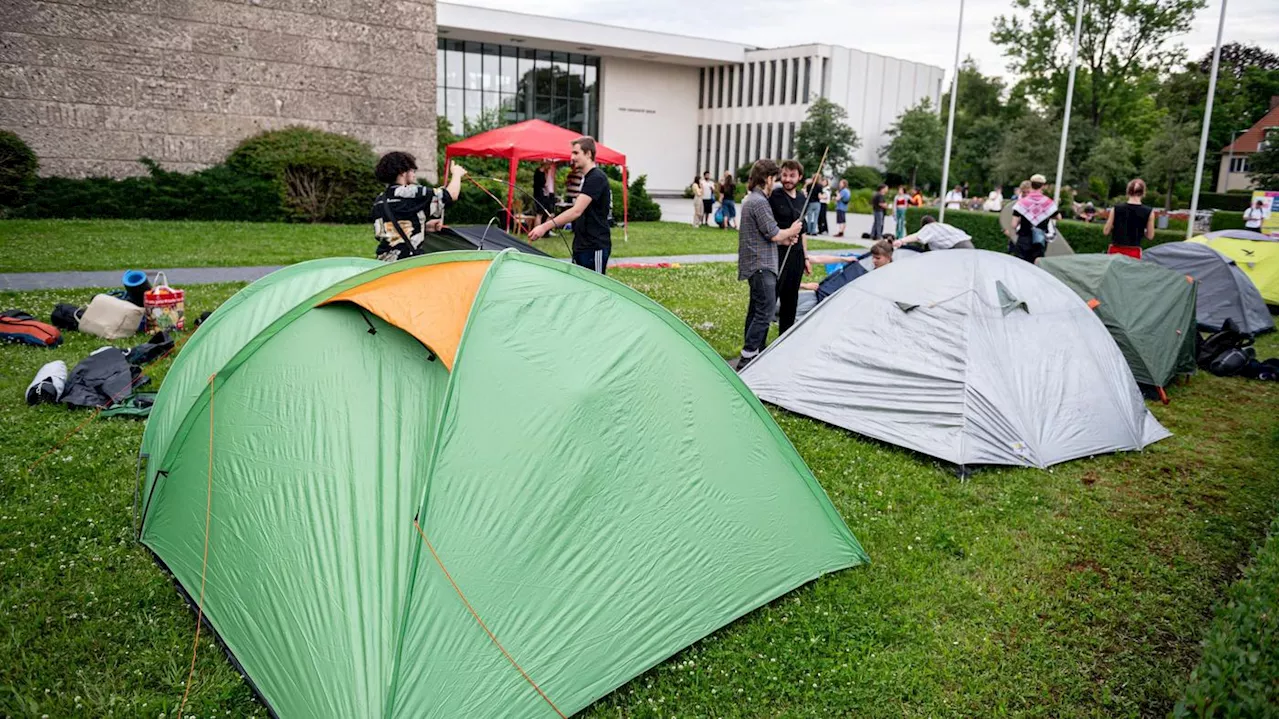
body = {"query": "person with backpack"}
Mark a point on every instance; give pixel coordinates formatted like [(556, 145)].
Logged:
[(406, 209), (1033, 216)]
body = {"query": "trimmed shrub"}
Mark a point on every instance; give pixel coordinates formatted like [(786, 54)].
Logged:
[(1226, 221), (1236, 676), (643, 208), (860, 201), (216, 193), (988, 235), (319, 176), (861, 176), (1234, 201), (18, 165)]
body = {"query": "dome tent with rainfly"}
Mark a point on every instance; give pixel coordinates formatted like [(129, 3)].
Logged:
[(1150, 311), (468, 484), (1256, 254), (970, 356), (1224, 291)]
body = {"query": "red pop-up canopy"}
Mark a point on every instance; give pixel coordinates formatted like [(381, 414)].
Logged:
[(533, 140)]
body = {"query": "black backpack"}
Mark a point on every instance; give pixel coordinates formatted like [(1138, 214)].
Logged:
[(1221, 351)]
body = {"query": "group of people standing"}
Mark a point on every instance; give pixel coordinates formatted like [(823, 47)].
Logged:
[(707, 192)]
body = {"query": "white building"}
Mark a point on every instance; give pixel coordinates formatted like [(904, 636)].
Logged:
[(675, 105)]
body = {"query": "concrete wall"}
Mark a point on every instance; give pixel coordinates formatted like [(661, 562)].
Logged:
[(1232, 180), (92, 85), (648, 111)]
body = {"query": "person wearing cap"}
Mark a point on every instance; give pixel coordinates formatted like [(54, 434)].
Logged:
[(1033, 217)]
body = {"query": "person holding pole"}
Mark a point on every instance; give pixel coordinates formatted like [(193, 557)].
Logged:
[(790, 205), (758, 240), (590, 213)]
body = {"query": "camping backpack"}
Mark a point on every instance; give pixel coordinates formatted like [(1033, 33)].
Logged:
[(19, 327), (1211, 349)]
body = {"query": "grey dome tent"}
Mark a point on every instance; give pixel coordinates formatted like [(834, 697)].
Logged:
[(1225, 292), (972, 357)]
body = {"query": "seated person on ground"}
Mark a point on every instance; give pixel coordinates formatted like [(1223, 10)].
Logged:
[(934, 235), (403, 211)]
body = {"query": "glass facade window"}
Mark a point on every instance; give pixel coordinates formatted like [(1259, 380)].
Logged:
[(823, 80), (759, 153), (769, 140), (791, 143), (742, 74), (808, 70), (773, 82), (731, 69), (751, 84), (795, 81), (698, 157), (702, 85), (737, 146), (716, 165), (720, 86), (512, 84), (780, 140)]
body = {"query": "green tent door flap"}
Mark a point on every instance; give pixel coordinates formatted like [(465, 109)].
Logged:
[(469, 484)]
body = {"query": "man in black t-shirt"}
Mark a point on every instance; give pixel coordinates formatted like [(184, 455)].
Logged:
[(878, 206), (788, 202), (590, 213)]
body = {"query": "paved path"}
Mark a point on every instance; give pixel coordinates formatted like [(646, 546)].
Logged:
[(183, 276)]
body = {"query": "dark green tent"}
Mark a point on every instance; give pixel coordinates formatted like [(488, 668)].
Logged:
[(1149, 310)]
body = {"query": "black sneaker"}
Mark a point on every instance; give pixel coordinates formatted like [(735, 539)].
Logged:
[(743, 361)]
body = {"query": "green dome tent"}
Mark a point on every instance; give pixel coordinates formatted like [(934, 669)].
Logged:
[(467, 485), (1149, 310)]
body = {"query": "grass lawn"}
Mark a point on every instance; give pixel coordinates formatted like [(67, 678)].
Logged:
[(1078, 592), (46, 245)]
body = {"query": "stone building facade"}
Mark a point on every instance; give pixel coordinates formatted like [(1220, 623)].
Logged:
[(93, 85)]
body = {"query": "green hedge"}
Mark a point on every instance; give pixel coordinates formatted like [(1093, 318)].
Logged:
[(1227, 221), (1236, 676), (217, 193), (1233, 201), (18, 165), (987, 234)]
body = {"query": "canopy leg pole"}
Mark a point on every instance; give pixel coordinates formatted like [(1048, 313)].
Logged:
[(511, 191), (625, 191)]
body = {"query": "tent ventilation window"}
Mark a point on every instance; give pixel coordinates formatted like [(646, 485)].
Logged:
[(1009, 303)]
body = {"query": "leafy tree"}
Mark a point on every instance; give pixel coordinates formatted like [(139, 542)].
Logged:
[(1119, 41), (1262, 164), (974, 156), (824, 126), (1109, 164), (1030, 146), (1170, 155), (915, 147)]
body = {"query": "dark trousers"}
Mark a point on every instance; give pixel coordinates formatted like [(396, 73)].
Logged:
[(594, 260), (822, 220), (1025, 249), (877, 224), (763, 286), (789, 279)]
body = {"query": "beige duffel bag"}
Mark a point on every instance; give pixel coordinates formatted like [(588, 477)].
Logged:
[(111, 318)]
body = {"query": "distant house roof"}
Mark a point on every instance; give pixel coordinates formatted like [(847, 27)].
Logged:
[(1248, 141)]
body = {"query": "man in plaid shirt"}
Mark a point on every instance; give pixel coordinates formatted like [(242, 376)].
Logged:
[(758, 240)]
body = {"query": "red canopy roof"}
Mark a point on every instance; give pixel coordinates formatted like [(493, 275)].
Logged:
[(528, 140)]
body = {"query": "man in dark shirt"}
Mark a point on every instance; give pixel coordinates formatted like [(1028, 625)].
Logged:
[(788, 205), (878, 206), (590, 213)]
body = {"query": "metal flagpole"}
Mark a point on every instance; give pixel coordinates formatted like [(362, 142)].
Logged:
[(1204, 126), (951, 119), (1066, 113)]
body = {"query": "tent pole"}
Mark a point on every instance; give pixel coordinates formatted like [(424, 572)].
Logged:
[(1204, 127), (625, 190), (511, 191)]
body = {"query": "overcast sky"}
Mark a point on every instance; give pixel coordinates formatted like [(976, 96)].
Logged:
[(920, 30)]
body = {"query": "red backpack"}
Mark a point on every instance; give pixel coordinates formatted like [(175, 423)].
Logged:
[(18, 326)]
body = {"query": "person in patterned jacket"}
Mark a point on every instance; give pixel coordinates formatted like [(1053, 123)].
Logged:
[(403, 211)]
